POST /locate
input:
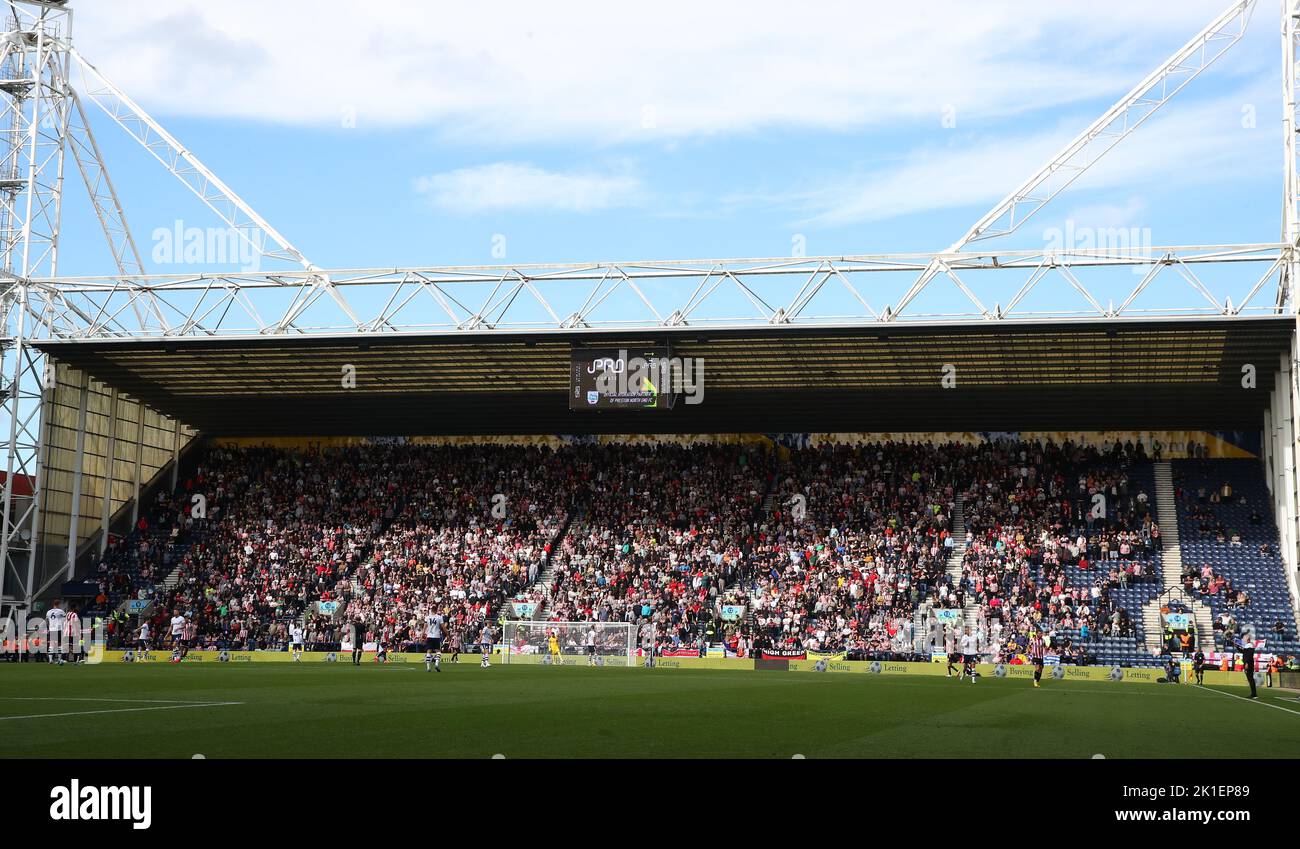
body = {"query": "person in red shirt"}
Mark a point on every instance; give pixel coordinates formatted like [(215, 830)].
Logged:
[(1036, 652)]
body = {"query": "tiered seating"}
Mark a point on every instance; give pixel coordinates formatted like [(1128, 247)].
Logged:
[(1233, 532), (133, 564), (380, 529), (1130, 595), (854, 541), (848, 576), (1036, 561), (445, 551), (660, 534)]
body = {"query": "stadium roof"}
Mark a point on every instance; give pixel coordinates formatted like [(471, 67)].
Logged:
[(1180, 374)]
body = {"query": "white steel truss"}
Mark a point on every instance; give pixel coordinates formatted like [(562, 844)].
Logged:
[(33, 126), (47, 87), (706, 293), (1115, 125), (1290, 166)]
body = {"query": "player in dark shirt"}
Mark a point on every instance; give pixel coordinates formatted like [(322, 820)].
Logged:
[(1248, 664), (1036, 652), (1198, 666), (358, 637)]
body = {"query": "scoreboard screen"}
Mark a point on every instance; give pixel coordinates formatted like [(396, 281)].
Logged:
[(617, 379)]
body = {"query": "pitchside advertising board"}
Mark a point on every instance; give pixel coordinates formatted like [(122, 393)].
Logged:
[(622, 379)]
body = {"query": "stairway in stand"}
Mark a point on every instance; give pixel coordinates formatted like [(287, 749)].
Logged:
[(546, 577), (1171, 567), (970, 610)]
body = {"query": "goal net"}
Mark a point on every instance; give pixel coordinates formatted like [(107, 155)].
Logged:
[(530, 642)]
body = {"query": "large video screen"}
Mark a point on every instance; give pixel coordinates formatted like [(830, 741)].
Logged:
[(619, 379)]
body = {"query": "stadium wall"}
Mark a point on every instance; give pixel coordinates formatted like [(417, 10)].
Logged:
[(99, 449), (1280, 450)]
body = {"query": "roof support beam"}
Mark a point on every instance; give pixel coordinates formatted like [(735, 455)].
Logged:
[(1115, 125)]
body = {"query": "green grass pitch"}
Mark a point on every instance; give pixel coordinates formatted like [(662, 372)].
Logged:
[(398, 710)]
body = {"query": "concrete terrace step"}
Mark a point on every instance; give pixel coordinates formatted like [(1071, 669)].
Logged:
[(970, 610), (1171, 565)]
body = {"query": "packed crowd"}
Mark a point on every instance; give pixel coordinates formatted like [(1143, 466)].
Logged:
[(860, 535), (831, 548), (445, 551), (374, 532), (660, 533), (1051, 532)]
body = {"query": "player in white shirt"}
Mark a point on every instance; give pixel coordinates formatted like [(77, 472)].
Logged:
[(56, 620), (142, 638), (648, 645), (591, 646), (178, 636), (433, 622), (969, 654), (295, 642), (485, 642)]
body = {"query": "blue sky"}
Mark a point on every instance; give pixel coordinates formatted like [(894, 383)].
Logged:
[(418, 134)]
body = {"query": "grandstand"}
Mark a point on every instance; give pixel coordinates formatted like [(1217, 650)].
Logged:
[(1238, 540), (855, 486), (669, 535)]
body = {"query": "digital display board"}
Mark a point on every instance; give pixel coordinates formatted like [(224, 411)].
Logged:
[(620, 379)]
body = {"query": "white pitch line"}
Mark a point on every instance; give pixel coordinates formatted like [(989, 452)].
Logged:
[(120, 710), (82, 699), (1256, 701)]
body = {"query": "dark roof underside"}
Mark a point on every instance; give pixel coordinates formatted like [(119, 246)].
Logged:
[(1119, 375)]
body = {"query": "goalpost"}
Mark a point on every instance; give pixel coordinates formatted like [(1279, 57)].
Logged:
[(528, 641)]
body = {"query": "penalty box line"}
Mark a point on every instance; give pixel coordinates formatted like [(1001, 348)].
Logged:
[(154, 704)]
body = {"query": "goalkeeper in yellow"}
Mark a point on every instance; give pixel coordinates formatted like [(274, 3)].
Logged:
[(553, 646)]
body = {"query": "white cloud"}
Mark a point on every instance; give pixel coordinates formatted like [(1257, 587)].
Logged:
[(516, 186), (602, 72), (1108, 215), (1191, 144)]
